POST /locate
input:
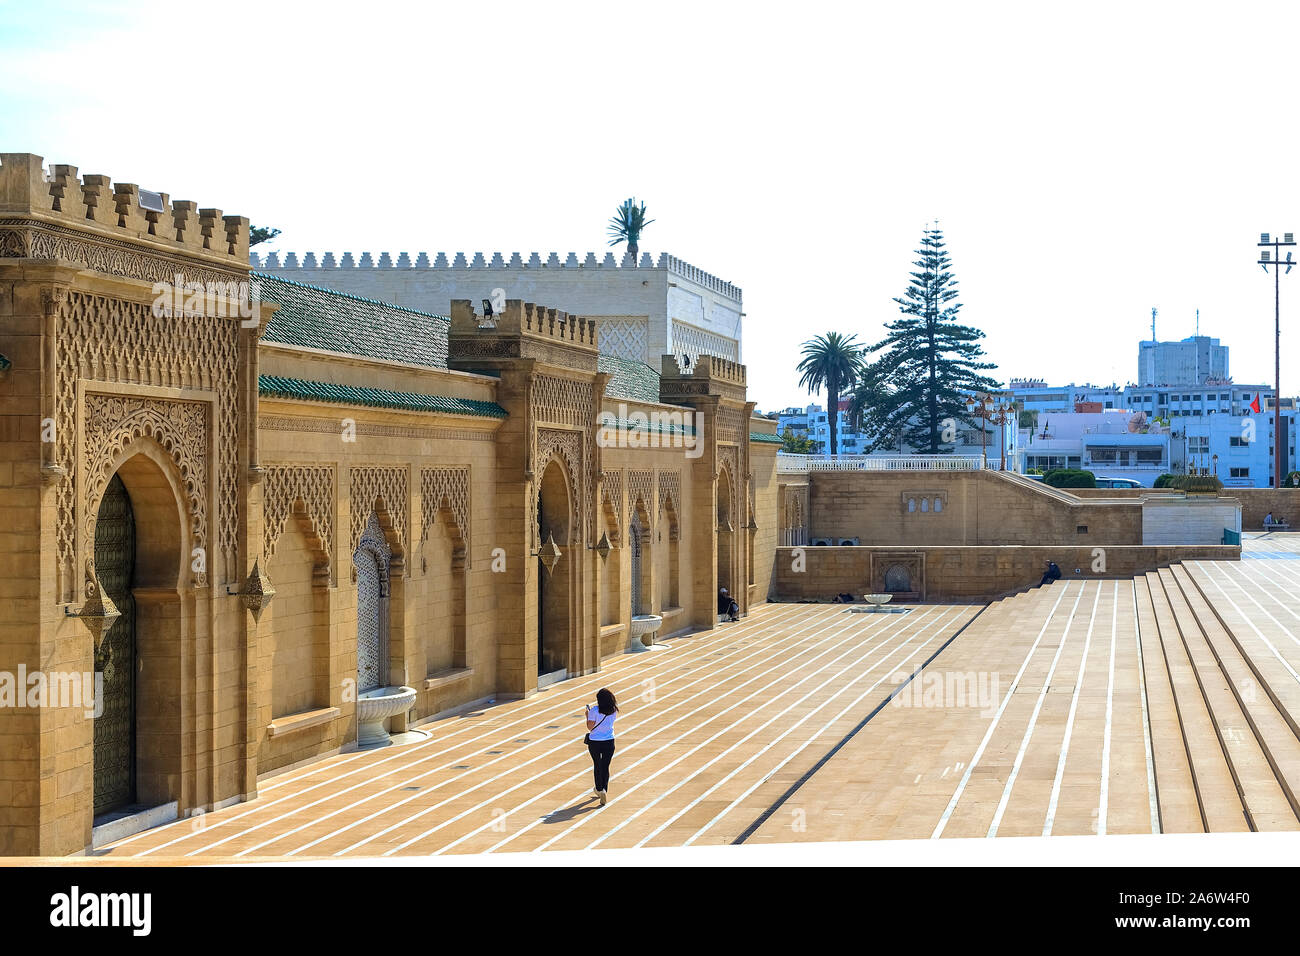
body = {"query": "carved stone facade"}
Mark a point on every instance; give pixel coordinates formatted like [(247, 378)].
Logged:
[(247, 501), (104, 341)]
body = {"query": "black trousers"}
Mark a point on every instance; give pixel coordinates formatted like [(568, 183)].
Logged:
[(602, 752)]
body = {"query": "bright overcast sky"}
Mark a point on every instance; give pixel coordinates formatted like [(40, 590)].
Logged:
[(1086, 162)]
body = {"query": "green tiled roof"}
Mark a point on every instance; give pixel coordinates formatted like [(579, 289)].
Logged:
[(634, 381), (609, 420), (762, 437), (275, 386), (337, 322)]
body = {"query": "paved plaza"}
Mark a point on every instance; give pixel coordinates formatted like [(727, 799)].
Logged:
[(1161, 703)]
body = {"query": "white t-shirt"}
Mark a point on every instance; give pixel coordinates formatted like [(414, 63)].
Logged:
[(604, 731)]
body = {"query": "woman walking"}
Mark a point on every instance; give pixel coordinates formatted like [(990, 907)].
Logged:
[(600, 739)]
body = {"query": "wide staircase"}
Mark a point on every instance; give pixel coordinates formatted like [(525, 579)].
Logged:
[(1220, 652)]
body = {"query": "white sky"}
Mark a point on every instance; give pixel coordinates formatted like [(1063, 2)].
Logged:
[(1086, 161)]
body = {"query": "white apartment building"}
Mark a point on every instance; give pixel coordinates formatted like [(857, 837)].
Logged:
[(1100, 442)]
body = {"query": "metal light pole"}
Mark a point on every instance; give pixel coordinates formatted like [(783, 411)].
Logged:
[(1274, 259), (990, 408)]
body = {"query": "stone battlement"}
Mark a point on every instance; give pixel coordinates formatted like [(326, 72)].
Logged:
[(498, 261), (95, 203), (522, 330), (704, 366)]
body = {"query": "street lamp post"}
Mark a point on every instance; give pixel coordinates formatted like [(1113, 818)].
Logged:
[(992, 409), (1274, 259)]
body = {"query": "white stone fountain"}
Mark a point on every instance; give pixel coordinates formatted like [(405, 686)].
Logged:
[(643, 624), (376, 706)]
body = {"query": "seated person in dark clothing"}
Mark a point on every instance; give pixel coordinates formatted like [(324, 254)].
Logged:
[(1051, 574), (727, 606)]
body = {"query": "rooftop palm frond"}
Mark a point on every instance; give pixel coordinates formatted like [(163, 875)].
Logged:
[(627, 223)]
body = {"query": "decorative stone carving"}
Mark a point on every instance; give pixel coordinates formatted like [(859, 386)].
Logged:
[(612, 491), (568, 446), (562, 401), (694, 341), (107, 340), (727, 462), (27, 238), (447, 487), (314, 486), (641, 486), (181, 428), (670, 491), (368, 484), (627, 338), (331, 426), (730, 424)]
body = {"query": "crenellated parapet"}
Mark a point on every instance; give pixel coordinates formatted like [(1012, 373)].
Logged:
[(498, 261), (44, 212), (683, 383), (523, 330)]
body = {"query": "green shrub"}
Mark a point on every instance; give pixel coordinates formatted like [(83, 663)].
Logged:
[(1165, 481), (1197, 484), (1070, 478), (1292, 480)]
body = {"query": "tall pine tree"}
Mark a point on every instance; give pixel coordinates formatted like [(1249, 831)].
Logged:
[(916, 390)]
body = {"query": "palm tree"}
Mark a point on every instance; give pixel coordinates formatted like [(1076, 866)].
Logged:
[(833, 362), (626, 225)]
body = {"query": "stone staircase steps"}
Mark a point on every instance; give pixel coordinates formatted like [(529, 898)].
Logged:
[(1258, 689), (1216, 789), (1263, 796), (1180, 811)]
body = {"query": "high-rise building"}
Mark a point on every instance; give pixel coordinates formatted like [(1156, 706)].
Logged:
[(1196, 360)]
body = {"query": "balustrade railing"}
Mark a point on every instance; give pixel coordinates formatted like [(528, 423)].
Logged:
[(801, 464)]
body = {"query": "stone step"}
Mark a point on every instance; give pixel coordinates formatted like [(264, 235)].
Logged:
[(1180, 811), (1264, 644), (1274, 735), (1216, 790), (1265, 803)]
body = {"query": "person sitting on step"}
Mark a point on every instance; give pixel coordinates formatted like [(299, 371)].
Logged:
[(1051, 574), (728, 606)]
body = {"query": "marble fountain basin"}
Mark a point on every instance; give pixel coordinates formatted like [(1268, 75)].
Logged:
[(376, 706), (643, 624)]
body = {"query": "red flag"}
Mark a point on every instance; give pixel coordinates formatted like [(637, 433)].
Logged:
[(1254, 405)]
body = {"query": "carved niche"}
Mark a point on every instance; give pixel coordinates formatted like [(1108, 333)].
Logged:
[(282, 487), (113, 422)]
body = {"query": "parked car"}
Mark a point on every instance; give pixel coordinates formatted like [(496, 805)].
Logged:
[(1118, 482)]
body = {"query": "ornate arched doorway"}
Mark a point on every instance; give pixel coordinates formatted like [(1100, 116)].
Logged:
[(554, 598), (726, 534), (141, 545), (115, 659), (371, 561)]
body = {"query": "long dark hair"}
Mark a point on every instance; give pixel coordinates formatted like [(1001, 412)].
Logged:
[(605, 701)]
